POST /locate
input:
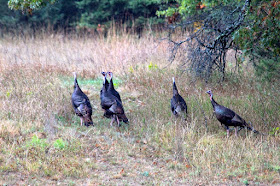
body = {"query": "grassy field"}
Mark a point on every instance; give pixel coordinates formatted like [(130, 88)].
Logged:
[(42, 142)]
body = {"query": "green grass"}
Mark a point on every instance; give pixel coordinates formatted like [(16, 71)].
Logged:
[(62, 147), (97, 82)]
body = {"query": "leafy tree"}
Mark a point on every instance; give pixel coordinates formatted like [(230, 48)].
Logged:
[(260, 38), (121, 11), (60, 14), (87, 14), (10, 21), (28, 5), (215, 26), (6, 14)]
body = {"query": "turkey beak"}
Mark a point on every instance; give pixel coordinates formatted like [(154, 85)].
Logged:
[(104, 74), (88, 121), (110, 74)]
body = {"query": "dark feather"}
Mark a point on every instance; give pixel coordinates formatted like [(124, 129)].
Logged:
[(228, 117), (106, 85), (177, 103), (112, 105), (112, 89), (81, 104)]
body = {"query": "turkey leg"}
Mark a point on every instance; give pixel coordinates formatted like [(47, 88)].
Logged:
[(112, 121), (81, 121), (118, 122)]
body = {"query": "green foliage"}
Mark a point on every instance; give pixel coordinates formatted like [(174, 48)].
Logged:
[(61, 14), (246, 182), (146, 173), (7, 16), (268, 69), (82, 13), (37, 142), (190, 7), (258, 37), (28, 5), (59, 144), (275, 131), (122, 11), (152, 66)]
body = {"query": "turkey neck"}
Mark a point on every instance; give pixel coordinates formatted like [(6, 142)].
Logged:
[(175, 91), (111, 85), (104, 85), (76, 85), (214, 103)]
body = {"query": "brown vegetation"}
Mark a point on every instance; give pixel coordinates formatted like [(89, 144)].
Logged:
[(42, 142)]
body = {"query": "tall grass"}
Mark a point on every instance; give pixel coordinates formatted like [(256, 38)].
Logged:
[(82, 54), (42, 142)]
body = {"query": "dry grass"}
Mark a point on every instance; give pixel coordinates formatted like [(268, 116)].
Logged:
[(42, 142), (87, 56)]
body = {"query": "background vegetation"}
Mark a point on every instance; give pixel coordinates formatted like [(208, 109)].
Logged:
[(251, 28), (81, 14), (40, 136)]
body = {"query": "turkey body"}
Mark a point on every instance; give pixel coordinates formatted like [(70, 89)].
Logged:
[(178, 104), (81, 104), (228, 117), (112, 105)]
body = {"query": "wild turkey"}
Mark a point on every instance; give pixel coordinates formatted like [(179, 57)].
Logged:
[(111, 87), (178, 104), (228, 117), (112, 106), (81, 104)]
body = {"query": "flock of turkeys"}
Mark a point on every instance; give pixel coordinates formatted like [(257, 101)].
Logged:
[(111, 103)]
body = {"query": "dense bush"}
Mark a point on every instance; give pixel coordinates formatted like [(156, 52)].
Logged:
[(219, 25), (259, 38)]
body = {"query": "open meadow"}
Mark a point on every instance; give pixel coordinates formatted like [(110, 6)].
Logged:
[(42, 141)]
